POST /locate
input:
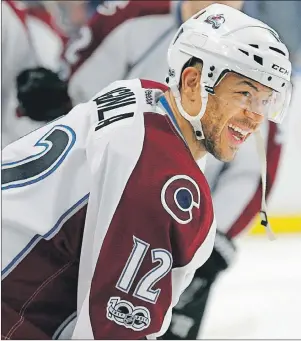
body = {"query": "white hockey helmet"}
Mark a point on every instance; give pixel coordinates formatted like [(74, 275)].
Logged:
[(226, 39)]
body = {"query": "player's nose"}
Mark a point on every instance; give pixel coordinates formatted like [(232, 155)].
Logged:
[(255, 117)]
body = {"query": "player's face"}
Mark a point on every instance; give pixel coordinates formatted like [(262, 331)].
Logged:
[(230, 117)]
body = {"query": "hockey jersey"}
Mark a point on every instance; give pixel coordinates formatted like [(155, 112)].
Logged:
[(141, 45), (106, 216)]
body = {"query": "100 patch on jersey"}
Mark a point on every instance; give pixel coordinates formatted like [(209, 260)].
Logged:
[(125, 314)]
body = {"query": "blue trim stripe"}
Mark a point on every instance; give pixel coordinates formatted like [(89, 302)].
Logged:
[(34, 157), (46, 145), (64, 325), (170, 114), (34, 240), (169, 111)]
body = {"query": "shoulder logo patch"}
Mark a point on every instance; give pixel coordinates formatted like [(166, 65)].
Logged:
[(125, 314), (179, 195)]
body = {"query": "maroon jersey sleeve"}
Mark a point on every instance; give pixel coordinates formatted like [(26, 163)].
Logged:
[(143, 263), (160, 233), (39, 294)]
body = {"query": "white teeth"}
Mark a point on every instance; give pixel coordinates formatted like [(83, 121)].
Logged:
[(241, 131)]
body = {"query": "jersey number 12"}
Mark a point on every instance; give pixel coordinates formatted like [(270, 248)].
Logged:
[(144, 289)]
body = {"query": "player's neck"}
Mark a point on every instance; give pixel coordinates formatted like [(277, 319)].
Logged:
[(197, 150)]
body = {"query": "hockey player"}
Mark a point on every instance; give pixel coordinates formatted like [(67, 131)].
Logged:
[(237, 182), (30, 40), (106, 215)]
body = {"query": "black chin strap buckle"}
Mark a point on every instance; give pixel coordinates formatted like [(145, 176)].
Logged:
[(210, 90), (264, 219)]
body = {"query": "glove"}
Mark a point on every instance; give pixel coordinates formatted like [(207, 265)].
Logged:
[(42, 95), (188, 313), (222, 256)]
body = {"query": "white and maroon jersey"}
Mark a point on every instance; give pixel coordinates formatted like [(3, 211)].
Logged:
[(46, 38), (17, 55), (105, 216), (141, 45)]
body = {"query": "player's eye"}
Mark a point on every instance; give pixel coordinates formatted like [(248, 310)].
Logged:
[(245, 93)]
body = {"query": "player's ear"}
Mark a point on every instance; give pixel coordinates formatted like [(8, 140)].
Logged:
[(190, 80), (190, 90)]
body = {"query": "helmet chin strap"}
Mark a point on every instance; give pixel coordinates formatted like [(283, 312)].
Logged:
[(263, 160), (195, 121)]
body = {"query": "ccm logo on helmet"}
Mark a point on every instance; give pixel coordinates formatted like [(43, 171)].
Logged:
[(280, 69), (179, 195)]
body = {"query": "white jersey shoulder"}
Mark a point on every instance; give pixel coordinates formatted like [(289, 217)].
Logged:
[(44, 182), (120, 109), (45, 174), (123, 99)]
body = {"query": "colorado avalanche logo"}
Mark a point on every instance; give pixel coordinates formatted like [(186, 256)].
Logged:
[(179, 196), (216, 20)]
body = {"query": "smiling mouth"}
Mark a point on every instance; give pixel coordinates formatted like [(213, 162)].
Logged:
[(238, 135)]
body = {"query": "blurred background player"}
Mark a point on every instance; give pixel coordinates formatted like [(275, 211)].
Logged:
[(30, 38), (91, 53), (36, 32), (17, 55), (140, 44), (48, 37)]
